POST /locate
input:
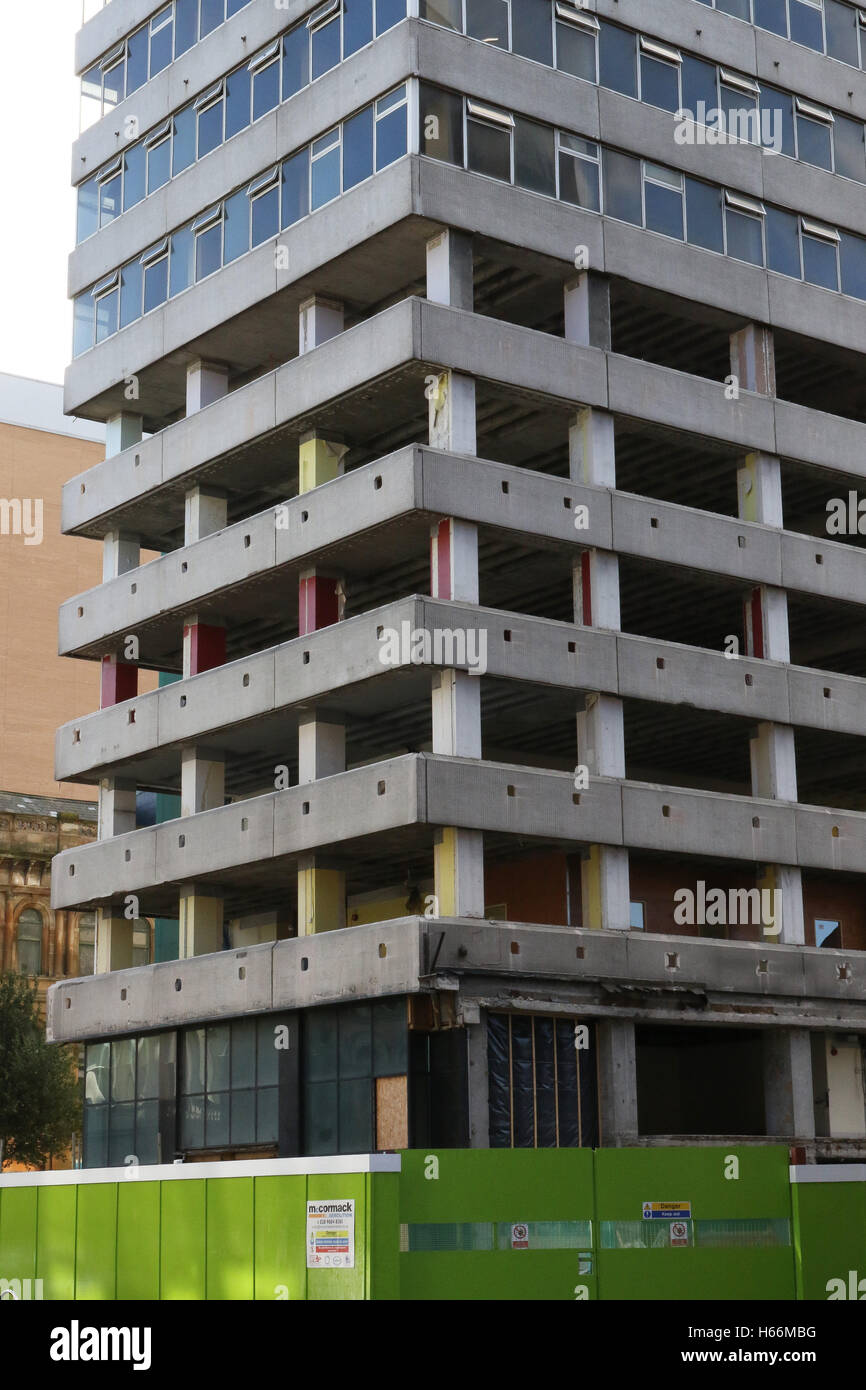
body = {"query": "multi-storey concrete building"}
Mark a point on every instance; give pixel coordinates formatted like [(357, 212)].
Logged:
[(488, 378)]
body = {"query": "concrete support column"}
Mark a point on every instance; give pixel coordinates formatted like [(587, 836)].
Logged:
[(206, 382), (321, 600), (789, 1107), (116, 807), (753, 359), (113, 941), (617, 1082), (120, 554), (321, 747), (201, 921), (479, 1084), (457, 714), (320, 460), (202, 780), (318, 320), (450, 275), (118, 680), (321, 887), (451, 412), (454, 560), (587, 310), (205, 511), (204, 645), (122, 431)]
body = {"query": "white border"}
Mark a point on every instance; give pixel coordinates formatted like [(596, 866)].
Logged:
[(828, 1172), (223, 1168)]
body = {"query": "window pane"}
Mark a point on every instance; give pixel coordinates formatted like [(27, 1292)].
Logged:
[(233, 6), (210, 129), (209, 250), (853, 257), (489, 150), (217, 1041), (622, 187), (212, 14), (325, 176), (578, 182), (389, 13), (192, 1123), (390, 1038), (216, 1121), (155, 284), (296, 191), (112, 85), (777, 120), (356, 1116), (266, 215), (448, 13), (106, 316), (441, 125), (266, 1115), (664, 210), (83, 323), (238, 101), (358, 148), (86, 943), (184, 139), (354, 1028), (30, 942), (158, 165), (849, 149), (134, 175), (147, 1082), (88, 209), (783, 242), (136, 60), (147, 1131), (357, 25), (841, 22), (738, 8), (807, 25), (488, 20), (266, 89), (267, 1058), (96, 1137), (237, 226), (109, 200), (320, 1118), (193, 1061), (391, 137), (296, 60), (741, 115), (704, 215), (123, 1069), (185, 25), (534, 157), (617, 66), (325, 43), (659, 83), (814, 142), (182, 247), (96, 1078), (243, 1122), (121, 1134), (699, 85), (744, 237), (320, 1045), (819, 263), (531, 31), (770, 14), (91, 97), (244, 1053), (161, 43)]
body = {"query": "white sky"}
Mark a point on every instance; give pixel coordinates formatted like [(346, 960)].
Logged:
[(38, 122)]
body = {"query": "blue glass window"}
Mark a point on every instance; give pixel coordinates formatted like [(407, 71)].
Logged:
[(236, 235), (390, 127), (113, 79), (83, 324), (488, 20), (704, 215), (358, 148), (841, 22), (184, 139), (745, 235), (155, 281), (158, 164), (325, 40), (208, 231), (238, 101), (325, 168), (109, 196), (161, 40), (777, 120), (265, 204), (807, 24), (266, 87), (296, 60), (617, 59), (663, 201), (738, 8), (783, 242), (770, 14), (814, 141), (210, 126), (136, 60), (389, 13), (134, 176), (185, 25), (488, 141), (576, 50), (853, 257), (357, 25), (88, 209), (579, 172), (130, 293), (820, 259), (700, 86), (659, 82), (106, 312), (534, 157), (622, 187), (296, 188), (532, 33), (212, 14), (849, 148), (182, 253)]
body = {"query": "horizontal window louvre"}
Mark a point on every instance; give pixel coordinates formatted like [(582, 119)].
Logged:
[(154, 253), (576, 17), (113, 57), (265, 57), (109, 171), (323, 13), (109, 283), (742, 84), (817, 229), (206, 219), (263, 182), (660, 50), (817, 113), (490, 113), (211, 95), (159, 134), (742, 204)]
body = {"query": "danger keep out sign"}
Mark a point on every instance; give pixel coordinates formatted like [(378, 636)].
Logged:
[(331, 1234)]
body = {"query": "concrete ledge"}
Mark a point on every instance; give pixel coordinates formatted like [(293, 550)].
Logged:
[(331, 967)]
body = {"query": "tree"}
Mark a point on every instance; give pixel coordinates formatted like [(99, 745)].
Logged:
[(40, 1106)]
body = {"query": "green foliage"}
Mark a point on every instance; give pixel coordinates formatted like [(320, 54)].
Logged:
[(40, 1106)]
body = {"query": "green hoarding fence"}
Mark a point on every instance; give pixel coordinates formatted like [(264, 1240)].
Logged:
[(726, 1222)]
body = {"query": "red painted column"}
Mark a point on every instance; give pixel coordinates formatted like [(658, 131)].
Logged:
[(318, 601), (119, 681)]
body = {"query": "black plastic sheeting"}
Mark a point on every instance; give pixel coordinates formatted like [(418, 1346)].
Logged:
[(543, 1092)]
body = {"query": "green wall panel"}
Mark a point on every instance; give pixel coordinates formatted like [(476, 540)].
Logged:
[(831, 1237), (340, 1284), (230, 1238), (280, 1236), (496, 1185), (138, 1226), (96, 1246), (18, 1233), (525, 1275), (383, 1236), (182, 1239), (55, 1241)]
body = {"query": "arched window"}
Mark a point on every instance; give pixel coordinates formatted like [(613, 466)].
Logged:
[(30, 942), (87, 943)]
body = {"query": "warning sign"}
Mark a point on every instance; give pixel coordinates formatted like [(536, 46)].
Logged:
[(520, 1236), (679, 1233), (331, 1235), (667, 1211)]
